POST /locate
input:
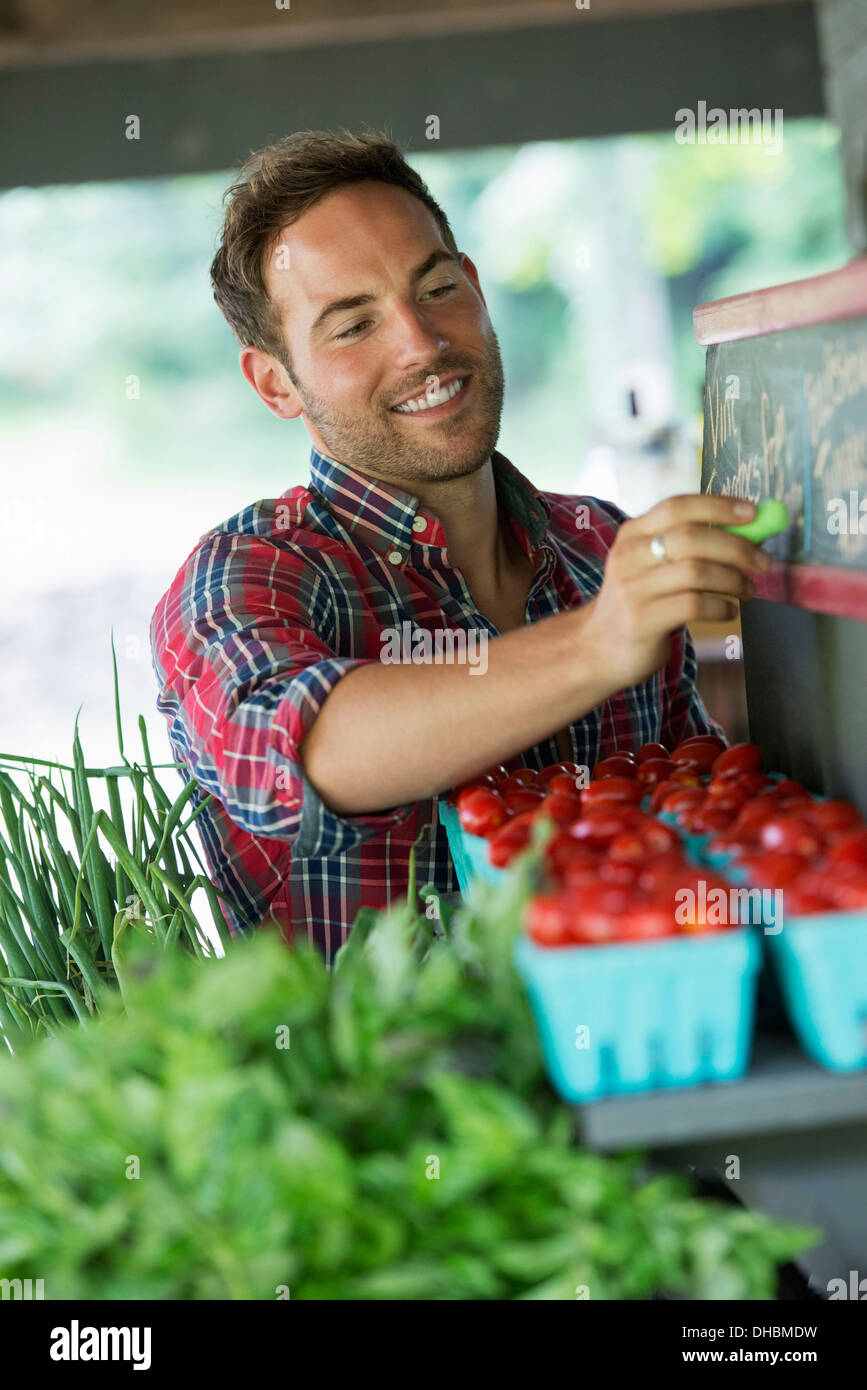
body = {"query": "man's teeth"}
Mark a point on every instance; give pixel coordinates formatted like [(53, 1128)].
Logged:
[(427, 402)]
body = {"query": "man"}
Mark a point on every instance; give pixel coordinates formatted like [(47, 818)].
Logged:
[(356, 312)]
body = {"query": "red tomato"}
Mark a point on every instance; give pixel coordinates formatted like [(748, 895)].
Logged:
[(741, 757), (563, 850), (660, 792), (699, 757), (850, 851), (663, 870), (510, 839), (600, 826), (753, 813), (654, 770), (548, 919), (615, 766), (651, 750), (486, 780), (777, 869), (520, 780), (800, 902), (829, 816), (686, 777), (750, 782), (563, 782), (682, 798), (701, 741), (647, 922), (480, 810), (728, 797), (849, 894), (525, 799), (547, 775), (792, 834), (711, 818), (628, 846), (612, 789), (659, 838), (562, 807), (620, 871)]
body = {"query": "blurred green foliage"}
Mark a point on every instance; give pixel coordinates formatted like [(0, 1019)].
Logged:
[(106, 281), (259, 1124)]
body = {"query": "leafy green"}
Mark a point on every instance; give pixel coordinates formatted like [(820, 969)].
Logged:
[(235, 1128)]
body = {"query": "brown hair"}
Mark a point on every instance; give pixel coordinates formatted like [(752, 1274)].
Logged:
[(273, 188)]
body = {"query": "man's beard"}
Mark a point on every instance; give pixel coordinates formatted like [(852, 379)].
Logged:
[(376, 443)]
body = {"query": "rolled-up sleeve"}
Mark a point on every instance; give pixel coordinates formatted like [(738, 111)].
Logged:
[(242, 651)]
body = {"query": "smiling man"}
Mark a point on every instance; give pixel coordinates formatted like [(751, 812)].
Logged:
[(357, 313)]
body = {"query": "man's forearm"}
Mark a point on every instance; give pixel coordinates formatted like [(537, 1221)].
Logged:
[(392, 734)]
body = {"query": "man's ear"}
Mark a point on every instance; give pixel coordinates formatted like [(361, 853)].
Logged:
[(270, 380), (472, 275)]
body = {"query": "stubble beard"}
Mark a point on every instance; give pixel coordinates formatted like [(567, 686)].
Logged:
[(379, 444)]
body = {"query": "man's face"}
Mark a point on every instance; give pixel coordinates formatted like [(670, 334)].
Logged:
[(376, 311)]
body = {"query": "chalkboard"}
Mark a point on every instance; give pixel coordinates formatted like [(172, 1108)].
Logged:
[(785, 416)]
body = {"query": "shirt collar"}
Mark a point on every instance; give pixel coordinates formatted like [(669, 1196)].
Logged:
[(381, 515)]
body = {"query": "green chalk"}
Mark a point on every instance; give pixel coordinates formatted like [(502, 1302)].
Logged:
[(771, 517)]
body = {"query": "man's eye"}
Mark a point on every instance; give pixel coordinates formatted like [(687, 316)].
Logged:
[(442, 289), (354, 330)]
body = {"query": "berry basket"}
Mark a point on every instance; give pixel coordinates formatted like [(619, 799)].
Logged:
[(821, 966), (469, 852), (663, 1013)]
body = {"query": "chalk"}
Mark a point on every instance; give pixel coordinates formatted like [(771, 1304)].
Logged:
[(770, 519)]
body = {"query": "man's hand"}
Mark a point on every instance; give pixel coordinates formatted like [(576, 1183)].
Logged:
[(644, 599)]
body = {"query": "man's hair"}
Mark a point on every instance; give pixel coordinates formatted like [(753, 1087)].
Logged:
[(273, 188)]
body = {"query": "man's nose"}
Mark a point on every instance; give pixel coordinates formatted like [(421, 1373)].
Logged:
[(417, 338)]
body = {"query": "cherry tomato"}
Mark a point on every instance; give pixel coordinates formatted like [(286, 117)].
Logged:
[(793, 834), (708, 819), (563, 807), (682, 798), (623, 872), (651, 750), (509, 840), (547, 775), (563, 782), (708, 740), (600, 826), (613, 789), (829, 816), (548, 919), (850, 851), (648, 921), (774, 869), (741, 757), (686, 777), (750, 782), (486, 780), (654, 770), (563, 849), (519, 781), (659, 793), (480, 810), (615, 766), (524, 799), (697, 757)]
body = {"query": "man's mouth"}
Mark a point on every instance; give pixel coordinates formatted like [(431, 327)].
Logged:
[(432, 400)]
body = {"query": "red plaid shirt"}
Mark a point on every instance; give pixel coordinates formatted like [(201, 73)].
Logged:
[(274, 606)]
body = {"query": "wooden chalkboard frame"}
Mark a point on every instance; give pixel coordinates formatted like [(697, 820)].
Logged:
[(800, 304)]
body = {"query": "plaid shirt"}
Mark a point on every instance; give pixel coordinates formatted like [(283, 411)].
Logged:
[(275, 605)]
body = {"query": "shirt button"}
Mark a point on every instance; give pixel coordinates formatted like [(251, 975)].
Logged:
[(419, 524), (395, 557)]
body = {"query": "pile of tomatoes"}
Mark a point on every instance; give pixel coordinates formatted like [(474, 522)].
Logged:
[(614, 869)]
